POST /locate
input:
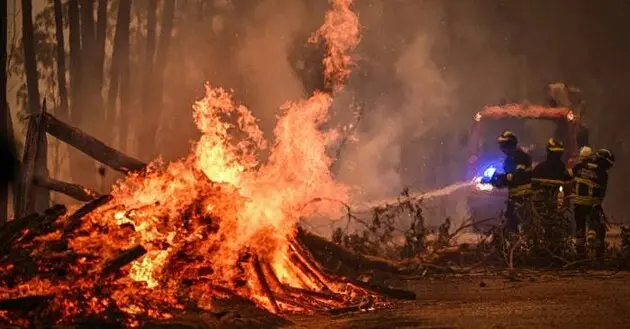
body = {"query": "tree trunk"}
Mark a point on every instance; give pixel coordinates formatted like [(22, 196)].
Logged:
[(101, 29), (77, 160), (153, 119), (62, 112), (122, 27), (85, 171), (4, 125), (147, 144), (40, 196), (114, 71)]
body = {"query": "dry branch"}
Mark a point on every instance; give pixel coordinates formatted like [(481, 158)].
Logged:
[(75, 191), (91, 146)]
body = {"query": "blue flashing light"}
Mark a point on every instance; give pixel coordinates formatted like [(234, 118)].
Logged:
[(489, 172)]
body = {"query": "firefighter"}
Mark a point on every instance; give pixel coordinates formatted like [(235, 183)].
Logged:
[(550, 175), (548, 179), (516, 176), (590, 182)]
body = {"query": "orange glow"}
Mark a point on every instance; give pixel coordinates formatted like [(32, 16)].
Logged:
[(213, 221)]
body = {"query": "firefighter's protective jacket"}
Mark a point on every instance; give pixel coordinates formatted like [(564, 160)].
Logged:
[(590, 183), (516, 176), (548, 176)]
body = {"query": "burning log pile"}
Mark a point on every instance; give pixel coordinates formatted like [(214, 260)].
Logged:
[(45, 280)]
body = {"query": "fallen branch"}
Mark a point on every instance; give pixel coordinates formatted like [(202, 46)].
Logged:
[(91, 146), (75, 191)]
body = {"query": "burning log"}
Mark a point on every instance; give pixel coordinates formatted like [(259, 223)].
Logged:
[(92, 146), (75, 219), (265, 286), (365, 305), (75, 191), (13, 230), (123, 259)]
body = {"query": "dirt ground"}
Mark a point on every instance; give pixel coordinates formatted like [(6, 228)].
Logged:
[(536, 300)]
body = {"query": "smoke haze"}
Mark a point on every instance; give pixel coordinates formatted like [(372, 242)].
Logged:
[(424, 67)]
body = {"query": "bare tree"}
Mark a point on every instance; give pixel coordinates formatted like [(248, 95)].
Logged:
[(4, 115), (161, 56), (87, 99), (62, 112), (114, 72), (40, 196), (146, 144), (99, 49), (125, 85)]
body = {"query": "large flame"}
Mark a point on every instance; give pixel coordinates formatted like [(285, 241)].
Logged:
[(202, 217)]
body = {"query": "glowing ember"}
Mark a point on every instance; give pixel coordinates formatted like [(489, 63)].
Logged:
[(218, 222)]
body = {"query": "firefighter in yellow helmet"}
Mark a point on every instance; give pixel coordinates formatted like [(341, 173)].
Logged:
[(548, 178), (516, 177), (590, 182), (550, 175)]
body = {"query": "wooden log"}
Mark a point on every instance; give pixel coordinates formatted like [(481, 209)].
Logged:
[(91, 146), (76, 219), (263, 283), (24, 303), (28, 199), (75, 191), (44, 224), (347, 257), (125, 258), (13, 230)]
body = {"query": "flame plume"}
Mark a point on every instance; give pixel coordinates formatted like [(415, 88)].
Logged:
[(341, 33), (216, 223)]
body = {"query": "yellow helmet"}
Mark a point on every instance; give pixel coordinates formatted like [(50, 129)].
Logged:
[(507, 137), (555, 146)]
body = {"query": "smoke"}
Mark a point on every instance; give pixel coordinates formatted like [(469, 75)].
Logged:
[(262, 60), (401, 125)]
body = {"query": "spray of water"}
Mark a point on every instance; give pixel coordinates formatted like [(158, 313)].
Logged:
[(447, 190)]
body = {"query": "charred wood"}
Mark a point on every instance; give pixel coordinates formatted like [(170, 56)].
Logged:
[(75, 191), (123, 259), (76, 218), (264, 284), (24, 303), (353, 308), (44, 223), (91, 146)]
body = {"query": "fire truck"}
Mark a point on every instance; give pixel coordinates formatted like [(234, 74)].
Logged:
[(533, 125)]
